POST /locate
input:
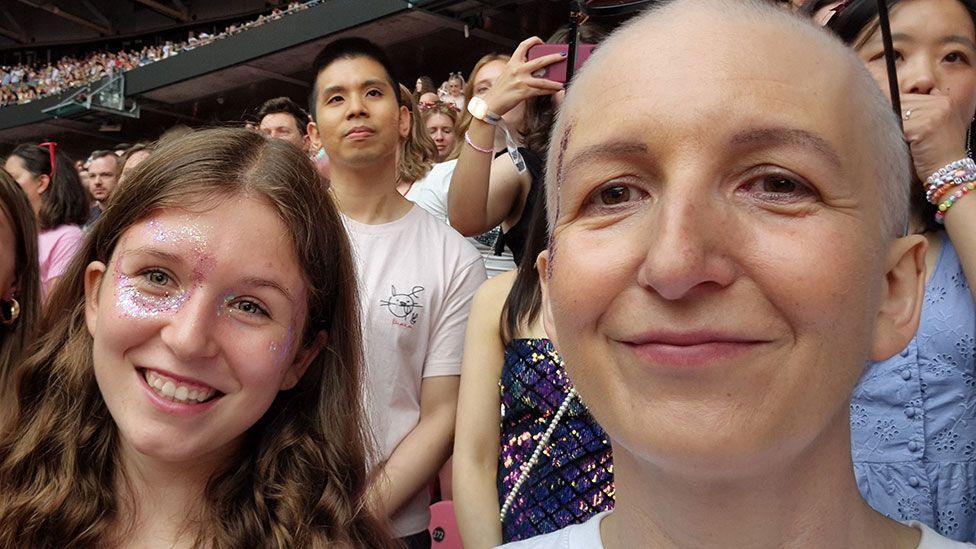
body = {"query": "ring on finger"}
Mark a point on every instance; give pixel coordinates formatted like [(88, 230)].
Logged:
[(908, 114)]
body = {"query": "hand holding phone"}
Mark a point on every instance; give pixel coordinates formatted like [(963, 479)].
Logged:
[(557, 71)]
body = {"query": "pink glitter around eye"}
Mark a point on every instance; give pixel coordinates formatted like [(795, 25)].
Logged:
[(282, 350), (134, 303)]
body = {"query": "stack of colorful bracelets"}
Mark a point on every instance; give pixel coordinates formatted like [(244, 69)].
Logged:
[(960, 175)]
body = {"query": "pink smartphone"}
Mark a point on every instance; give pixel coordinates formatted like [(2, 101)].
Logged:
[(557, 71)]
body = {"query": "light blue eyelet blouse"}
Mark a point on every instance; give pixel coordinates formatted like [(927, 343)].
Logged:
[(913, 416)]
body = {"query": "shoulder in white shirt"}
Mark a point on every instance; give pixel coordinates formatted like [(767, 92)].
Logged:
[(587, 536)]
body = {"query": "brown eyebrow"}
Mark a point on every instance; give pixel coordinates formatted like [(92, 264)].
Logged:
[(154, 252), (259, 282), (772, 137), (951, 39), (959, 39), (605, 150)]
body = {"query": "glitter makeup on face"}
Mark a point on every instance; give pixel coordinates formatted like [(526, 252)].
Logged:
[(134, 303), (280, 350), (222, 303), (186, 233)]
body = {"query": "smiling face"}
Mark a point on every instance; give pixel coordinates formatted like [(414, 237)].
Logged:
[(356, 113), (441, 129), (716, 263), (934, 50), (196, 322)]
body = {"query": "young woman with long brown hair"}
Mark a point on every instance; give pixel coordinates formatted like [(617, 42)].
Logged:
[(20, 284), (198, 380)]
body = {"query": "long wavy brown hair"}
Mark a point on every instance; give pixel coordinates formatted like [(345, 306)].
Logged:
[(300, 477), (15, 338), (418, 153)]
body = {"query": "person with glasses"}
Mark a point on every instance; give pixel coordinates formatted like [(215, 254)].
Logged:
[(57, 197)]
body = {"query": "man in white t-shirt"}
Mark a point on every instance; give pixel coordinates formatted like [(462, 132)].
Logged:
[(417, 278), (727, 252)]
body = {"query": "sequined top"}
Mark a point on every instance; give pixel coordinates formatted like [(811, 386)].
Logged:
[(573, 479), (913, 416)]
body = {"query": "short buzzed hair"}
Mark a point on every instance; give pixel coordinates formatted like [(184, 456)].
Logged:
[(893, 165), (287, 106), (351, 48)]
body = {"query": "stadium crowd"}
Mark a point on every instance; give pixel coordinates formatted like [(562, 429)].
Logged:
[(713, 294), (24, 83)]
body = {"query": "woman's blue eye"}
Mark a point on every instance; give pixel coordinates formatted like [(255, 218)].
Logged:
[(158, 277)]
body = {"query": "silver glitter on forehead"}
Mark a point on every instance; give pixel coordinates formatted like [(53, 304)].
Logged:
[(134, 303)]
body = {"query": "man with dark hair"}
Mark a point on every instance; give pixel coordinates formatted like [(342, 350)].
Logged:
[(282, 118), (103, 173), (417, 279)]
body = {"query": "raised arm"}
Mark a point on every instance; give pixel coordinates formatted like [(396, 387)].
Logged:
[(479, 199)]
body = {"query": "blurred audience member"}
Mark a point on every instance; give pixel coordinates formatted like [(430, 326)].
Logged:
[(282, 118), (441, 121), (51, 183)]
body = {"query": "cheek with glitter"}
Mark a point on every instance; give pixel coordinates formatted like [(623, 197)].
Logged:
[(134, 303), (281, 349)]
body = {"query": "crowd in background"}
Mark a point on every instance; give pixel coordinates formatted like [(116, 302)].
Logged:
[(440, 212), (28, 82)]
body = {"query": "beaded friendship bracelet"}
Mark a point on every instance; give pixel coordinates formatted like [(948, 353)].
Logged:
[(953, 198), (467, 139), (949, 176)]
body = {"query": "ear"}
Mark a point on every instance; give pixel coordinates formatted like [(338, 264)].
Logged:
[(901, 303), (302, 360), (404, 123), (93, 282), (542, 267), (313, 132), (43, 182)]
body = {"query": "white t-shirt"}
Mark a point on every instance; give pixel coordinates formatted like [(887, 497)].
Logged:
[(430, 193), (587, 536), (417, 277)]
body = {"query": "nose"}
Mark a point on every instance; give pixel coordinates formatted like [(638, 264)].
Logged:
[(189, 335), (355, 107), (689, 252), (918, 76)]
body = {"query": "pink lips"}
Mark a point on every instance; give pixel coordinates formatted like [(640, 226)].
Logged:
[(690, 349), (360, 132)]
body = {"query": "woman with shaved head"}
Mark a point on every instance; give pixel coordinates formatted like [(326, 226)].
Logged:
[(734, 207)]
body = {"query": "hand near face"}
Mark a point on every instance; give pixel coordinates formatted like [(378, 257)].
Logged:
[(517, 83), (935, 131)]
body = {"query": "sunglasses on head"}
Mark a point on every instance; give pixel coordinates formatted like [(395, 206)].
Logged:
[(52, 149)]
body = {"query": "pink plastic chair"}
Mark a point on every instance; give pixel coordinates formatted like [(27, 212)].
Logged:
[(443, 526)]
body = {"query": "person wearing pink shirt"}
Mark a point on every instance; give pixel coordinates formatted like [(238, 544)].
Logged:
[(58, 199)]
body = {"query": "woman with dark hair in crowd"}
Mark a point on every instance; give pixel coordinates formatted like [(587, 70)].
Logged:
[(198, 377), (489, 190), (913, 417), (51, 183), (20, 289), (528, 459)]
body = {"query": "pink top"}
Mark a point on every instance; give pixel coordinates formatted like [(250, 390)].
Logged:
[(56, 247)]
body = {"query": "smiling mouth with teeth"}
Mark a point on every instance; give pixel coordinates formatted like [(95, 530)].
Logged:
[(178, 391)]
